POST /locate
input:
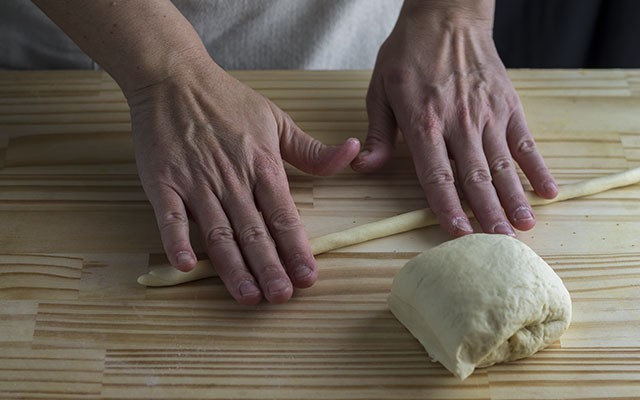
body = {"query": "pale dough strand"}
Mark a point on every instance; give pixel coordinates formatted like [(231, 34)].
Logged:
[(169, 276)]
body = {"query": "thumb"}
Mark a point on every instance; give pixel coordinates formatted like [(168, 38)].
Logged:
[(311, 155), (381, 137)]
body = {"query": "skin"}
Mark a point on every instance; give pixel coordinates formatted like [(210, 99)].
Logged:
[(439, 80), (227, 173), (210, 149), (207, 146)]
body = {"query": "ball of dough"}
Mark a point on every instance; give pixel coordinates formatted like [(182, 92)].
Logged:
[(480, 300)]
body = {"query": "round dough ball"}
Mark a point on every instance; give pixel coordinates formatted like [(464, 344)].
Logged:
[(480, 300)]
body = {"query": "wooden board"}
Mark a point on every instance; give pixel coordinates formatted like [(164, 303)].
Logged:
[(76, 230)]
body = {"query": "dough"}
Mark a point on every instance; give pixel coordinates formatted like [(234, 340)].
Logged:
[(479, 300), (167, 275)]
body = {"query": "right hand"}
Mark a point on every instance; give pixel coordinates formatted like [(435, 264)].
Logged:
[(439, 79), (211, 148)]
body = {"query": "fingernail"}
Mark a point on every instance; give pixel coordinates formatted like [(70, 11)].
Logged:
[(184, 258), (365, 153), (523, 214), (353, 140), (462, 224), (277, 286), (303, 272), (503, 229), (248, 289)]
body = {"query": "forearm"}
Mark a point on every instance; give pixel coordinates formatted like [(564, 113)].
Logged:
[(137, 42)]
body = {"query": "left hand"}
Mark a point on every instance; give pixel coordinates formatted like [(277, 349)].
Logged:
[(209, 147), (439, 79)]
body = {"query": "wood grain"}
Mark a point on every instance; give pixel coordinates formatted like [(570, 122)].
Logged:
[(76, 230)]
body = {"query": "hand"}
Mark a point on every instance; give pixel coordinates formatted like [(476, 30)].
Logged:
[(210, 147), (439, 79)]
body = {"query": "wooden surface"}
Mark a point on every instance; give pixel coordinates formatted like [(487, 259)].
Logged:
[(76, 231)]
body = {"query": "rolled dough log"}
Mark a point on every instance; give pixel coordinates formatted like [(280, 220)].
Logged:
[(168, 276), (479, 300)]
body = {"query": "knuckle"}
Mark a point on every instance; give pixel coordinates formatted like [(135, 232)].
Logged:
[(526, 147), (219, 235), (477, 176), (284, 220), (312, 152), (172, 219), (252, 234), (436, 177), (501, 164)]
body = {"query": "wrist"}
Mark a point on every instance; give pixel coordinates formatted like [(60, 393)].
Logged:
[(450, 14), (152, 68), (139, 43), (150, 55)]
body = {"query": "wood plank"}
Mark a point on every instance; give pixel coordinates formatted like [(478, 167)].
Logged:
[(51, 373), (76, 230)]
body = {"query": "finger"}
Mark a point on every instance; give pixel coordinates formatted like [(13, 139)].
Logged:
[(436, 178), (476, 183), (311, 155), (257, 247), (174, 227), (505, 178), (223, 250), (381, 134), (524, 151), (286, 228)]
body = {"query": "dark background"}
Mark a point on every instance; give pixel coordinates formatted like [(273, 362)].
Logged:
[(568, 33)]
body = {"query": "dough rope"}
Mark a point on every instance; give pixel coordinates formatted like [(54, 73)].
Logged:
[(169, 276)]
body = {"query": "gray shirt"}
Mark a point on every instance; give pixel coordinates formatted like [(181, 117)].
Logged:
[(239, 34)]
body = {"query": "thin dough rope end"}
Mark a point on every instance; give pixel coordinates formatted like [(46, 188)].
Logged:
[(168, 275)]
